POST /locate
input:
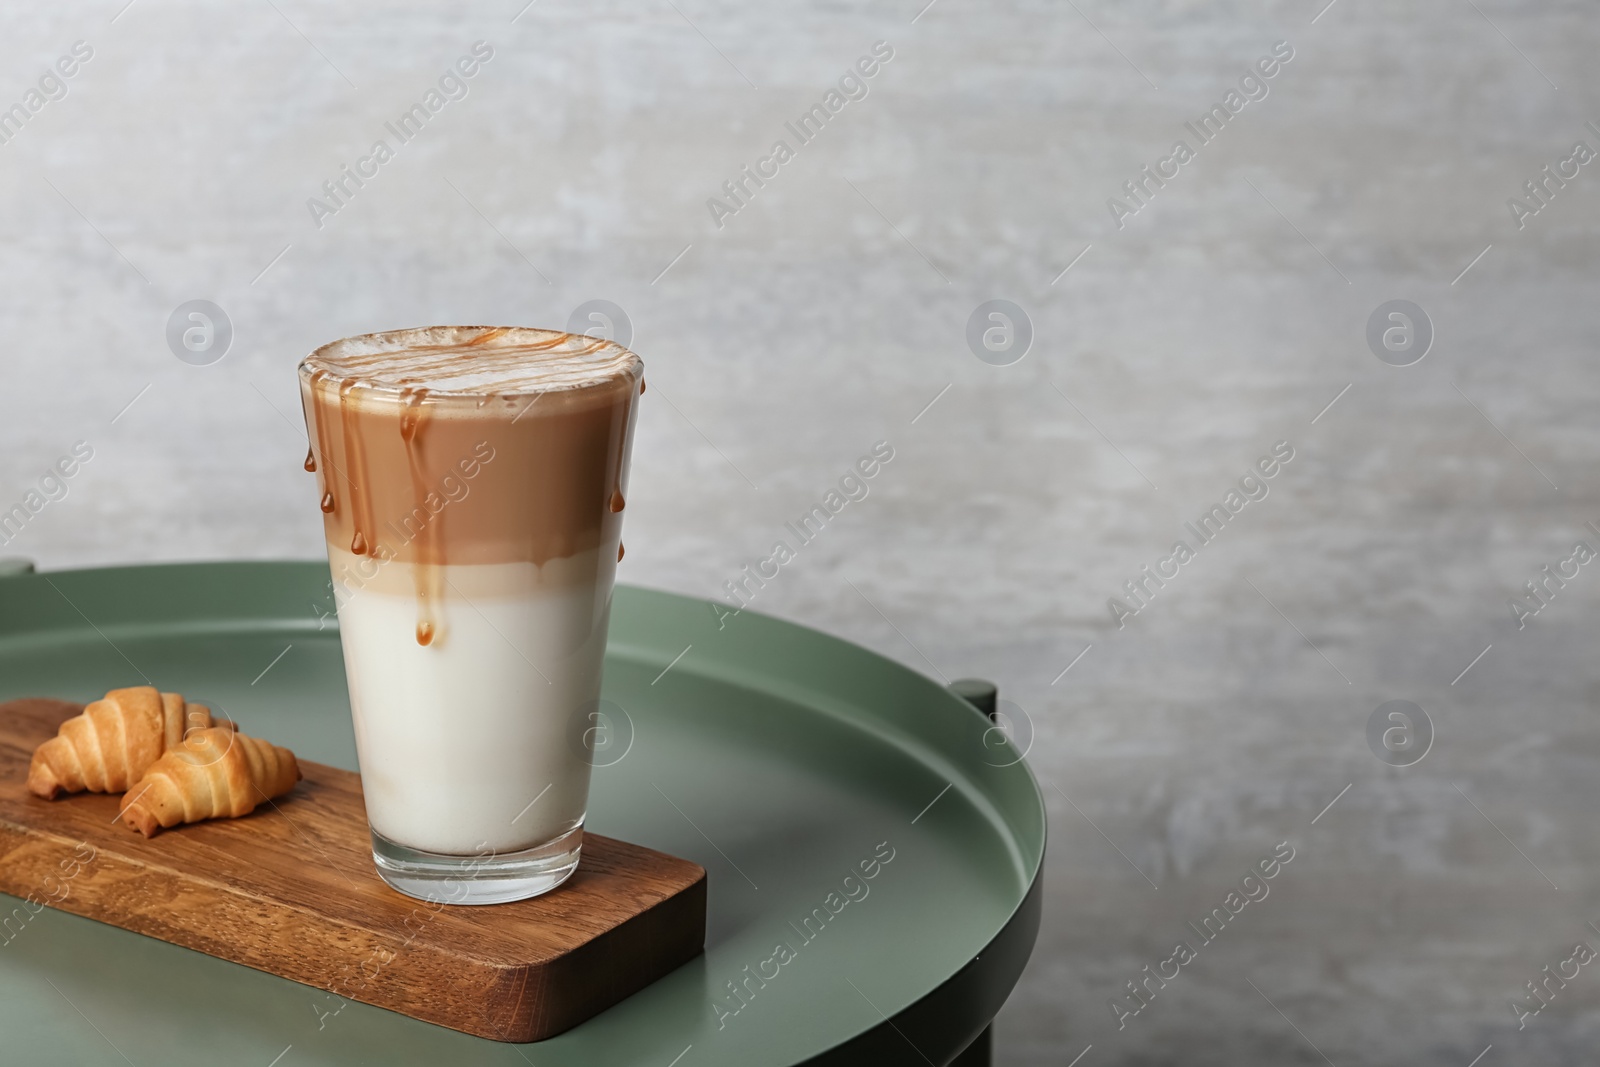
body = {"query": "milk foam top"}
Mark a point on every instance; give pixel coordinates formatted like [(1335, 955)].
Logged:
[(477, 361), (466, 445)]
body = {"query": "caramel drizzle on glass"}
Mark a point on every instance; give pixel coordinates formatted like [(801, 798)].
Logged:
[(413, 421), (329, 504), (428, 578), (356, 475)]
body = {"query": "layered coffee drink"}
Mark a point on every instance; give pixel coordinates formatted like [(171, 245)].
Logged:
[(473, 482)]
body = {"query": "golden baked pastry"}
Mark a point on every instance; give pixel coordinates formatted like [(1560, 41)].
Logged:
[(113, 741), (213, 773)]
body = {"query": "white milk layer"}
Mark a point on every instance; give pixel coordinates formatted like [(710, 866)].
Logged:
[(474, 742)]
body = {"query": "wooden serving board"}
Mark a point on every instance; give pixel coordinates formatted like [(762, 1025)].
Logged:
[(291, 889)]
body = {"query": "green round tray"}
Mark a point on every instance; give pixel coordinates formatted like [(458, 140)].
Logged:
[(773, 755)]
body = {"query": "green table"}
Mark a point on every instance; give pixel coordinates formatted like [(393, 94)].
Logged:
[(777, 757)]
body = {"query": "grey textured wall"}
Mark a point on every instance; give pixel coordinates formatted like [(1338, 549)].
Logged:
[(1222, 317)]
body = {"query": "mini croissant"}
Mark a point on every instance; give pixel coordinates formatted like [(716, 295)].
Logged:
[(108, 746), (214, 773)]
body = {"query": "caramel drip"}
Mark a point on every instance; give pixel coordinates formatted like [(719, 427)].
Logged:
[(328, 502), (411, 417), (356, 461), (621, 548), (641, 387), (427, 576), (437, 464), (429, 476)]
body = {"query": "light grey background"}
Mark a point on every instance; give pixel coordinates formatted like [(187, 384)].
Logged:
[(830, 312)]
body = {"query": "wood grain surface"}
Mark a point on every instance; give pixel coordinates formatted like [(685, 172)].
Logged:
[(291, 889)]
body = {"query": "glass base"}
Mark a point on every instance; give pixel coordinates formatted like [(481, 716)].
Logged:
[(486, 878)]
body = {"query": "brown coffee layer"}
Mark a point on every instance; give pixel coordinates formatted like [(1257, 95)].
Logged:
[(526, 463)]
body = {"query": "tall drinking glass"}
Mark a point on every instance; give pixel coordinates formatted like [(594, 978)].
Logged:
[(472, 482)]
